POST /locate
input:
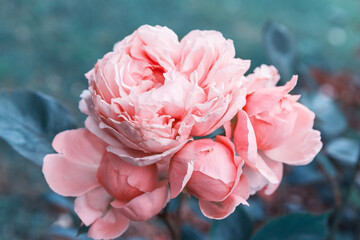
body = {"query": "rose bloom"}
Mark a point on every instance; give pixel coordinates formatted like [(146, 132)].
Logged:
[(109, 191), (273, 129), (152, 93), (146, 99), (210, 171)]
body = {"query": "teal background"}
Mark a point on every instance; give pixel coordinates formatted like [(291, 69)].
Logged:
[(48, 46)]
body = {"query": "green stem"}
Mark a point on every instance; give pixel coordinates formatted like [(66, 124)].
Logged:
[(334, 186), (339, 212), (164, 216)]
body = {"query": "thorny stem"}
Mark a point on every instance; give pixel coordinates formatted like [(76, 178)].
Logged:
[(339, 212), (170, 224)]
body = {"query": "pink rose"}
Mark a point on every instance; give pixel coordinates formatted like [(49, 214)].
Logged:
[(210, 171), (152, 93), (109, 192), (272, 129)]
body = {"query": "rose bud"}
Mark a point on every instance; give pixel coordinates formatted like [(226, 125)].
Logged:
[(272, 129), (210, 171)]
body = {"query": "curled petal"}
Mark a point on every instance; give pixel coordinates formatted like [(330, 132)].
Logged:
[(80, 146), (79, 155), (263, 77), (220, 210), (123, 180), (146, 205), (92, 205), (207, 188), (140, 158), (302, 145), (267, 167), (61, 174), (244, 139), (257, 181), (158, 43), (182, 164), (265, 98), (110, 226)]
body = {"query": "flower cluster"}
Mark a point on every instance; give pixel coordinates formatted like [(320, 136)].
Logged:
[(151, 103)]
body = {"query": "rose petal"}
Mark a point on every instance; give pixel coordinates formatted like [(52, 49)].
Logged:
[(182, 164), (263, 77), (113, 174), (146, 205), (80, 146), (68, 178), (303, 144), (142, 159), (267, 167), (207, 188), (110, 226), (220, 210), (92, 205), (208, 161), (257, 181), (265, 98), (244, 139)]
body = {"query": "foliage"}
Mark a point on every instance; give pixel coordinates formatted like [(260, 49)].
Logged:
[(30, 120)]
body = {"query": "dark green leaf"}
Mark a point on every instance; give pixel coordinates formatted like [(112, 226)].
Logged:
[(345, 150), (330, 118), (236, 226), (82, 229), (281, 48), (30, 120), (302, 175), (296, 226)]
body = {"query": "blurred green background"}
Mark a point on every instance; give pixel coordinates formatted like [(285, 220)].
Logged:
[(48, 46)]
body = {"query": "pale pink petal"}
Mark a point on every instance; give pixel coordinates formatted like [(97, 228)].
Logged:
[(67, 177), (92, 124), (265, 98), (303, 144), (110, 226), (80, 146), (140, 158), (92, 205), (207, 188), (268, 168), (113, 175), (146, 205), (207, 115), (244, 139), (182, 164), (228, 129), (263, 77), (273, 127), (208, 161), (142, 178), (220, 210), (201, 50), (152, 42), (257, 181), (163, 42), (237, 102)]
